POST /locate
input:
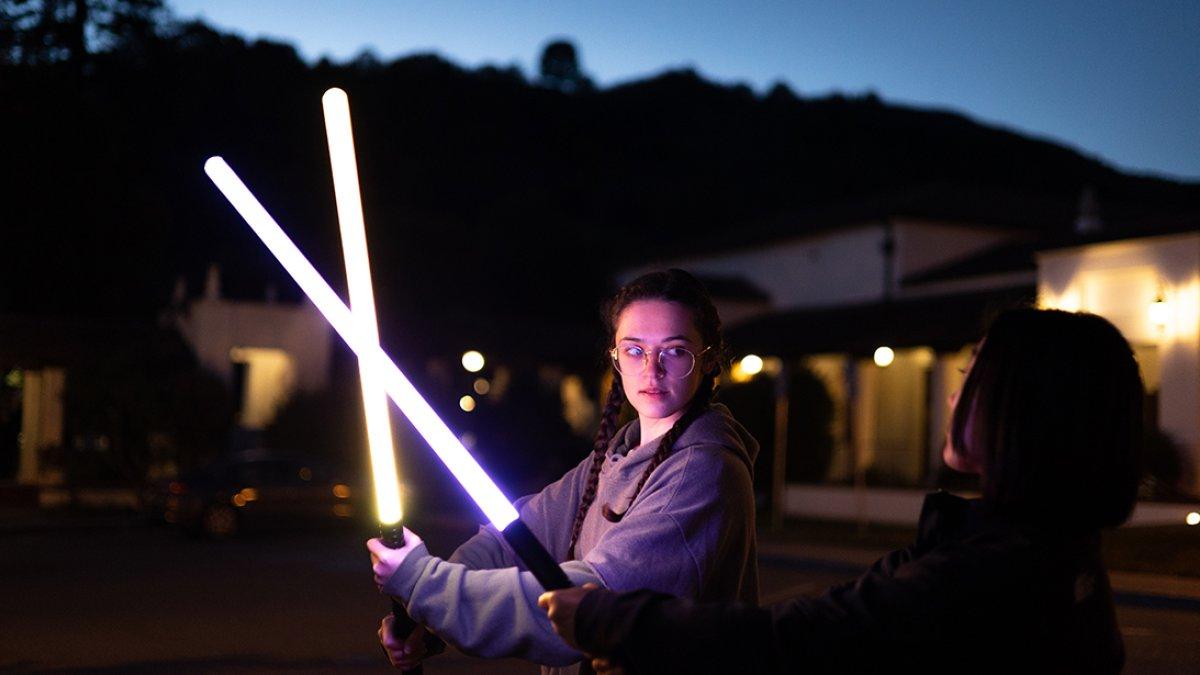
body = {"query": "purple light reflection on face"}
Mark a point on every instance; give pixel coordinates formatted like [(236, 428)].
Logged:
[(961, 459)]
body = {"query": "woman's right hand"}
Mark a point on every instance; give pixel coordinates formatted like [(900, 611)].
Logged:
[(404, 654)]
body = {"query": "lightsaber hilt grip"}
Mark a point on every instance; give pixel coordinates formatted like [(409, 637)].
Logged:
[(538, 560), (534, 555), (403, 624)]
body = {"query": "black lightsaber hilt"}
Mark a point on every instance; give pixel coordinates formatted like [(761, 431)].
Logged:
[(538, 560), (403, 624), (534, 555)]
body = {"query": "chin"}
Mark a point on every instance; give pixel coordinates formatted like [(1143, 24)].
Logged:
[(956, 461), (658, 409)]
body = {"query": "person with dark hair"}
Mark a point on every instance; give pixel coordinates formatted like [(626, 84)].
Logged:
[(1050, 417), (664, 502)]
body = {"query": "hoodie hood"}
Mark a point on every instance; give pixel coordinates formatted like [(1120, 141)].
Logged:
[(715, 426)]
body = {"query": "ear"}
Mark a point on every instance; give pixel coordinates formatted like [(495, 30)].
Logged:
[(711, 363)]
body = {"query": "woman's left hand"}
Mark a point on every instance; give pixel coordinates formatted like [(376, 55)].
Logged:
[(385, 561), (606, 667), (561, 606)]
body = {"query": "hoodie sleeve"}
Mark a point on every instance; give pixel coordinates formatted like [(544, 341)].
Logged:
[(544, 513), (482, 600), (688, 516), (899, 610), (648, 632), (488, 613), (696, 511), (487, 550)]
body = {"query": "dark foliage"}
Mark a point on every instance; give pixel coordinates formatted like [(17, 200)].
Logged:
[(810, 428), (146, 402), (326, 424), (486, 195)]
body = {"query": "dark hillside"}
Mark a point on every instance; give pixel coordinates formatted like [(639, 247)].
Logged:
[(485, 194)]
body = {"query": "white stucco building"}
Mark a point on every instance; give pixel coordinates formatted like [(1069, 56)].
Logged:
[(264, 350), (1149, 288), (827, 299)]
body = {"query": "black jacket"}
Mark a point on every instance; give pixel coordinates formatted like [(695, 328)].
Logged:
[(973, 594)]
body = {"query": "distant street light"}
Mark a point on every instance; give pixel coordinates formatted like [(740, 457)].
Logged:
[(1160, 312), (751, 364), (884, 357), (472, 361)]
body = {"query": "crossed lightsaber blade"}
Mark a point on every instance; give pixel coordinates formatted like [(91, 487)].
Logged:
[(378, 371), (340, 136)]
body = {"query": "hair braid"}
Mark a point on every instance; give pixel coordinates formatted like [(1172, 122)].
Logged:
[(698, 405), (608, 427)]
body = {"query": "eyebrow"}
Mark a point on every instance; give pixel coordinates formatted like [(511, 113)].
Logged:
[(682, 338)]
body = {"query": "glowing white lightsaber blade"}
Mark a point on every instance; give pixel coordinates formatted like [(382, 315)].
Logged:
[(362, 300), (449, 449)]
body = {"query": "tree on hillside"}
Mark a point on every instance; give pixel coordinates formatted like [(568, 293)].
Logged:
[(560, 68), (44, 32)]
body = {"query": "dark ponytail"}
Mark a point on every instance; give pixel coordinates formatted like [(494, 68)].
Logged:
[(673, 286)]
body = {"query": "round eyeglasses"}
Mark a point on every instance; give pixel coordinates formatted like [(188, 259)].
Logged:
[(676, 362)]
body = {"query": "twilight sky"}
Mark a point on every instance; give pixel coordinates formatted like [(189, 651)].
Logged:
[(1116, 80)]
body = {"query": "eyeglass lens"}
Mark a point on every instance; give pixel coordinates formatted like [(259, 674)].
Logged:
[(676, 362)]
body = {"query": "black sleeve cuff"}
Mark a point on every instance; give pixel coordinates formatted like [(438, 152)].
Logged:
[(605, 620)]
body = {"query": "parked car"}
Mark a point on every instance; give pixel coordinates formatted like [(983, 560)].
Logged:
[(257, 491)]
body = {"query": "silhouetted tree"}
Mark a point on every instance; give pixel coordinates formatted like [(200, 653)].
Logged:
[(560, 68), (810, 427), (142, 403), (479, 186), (40, 32)]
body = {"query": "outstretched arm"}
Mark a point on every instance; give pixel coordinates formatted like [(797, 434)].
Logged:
[(489, 613)]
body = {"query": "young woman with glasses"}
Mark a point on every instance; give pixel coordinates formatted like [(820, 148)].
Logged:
[(1050, 417), (665, 502)]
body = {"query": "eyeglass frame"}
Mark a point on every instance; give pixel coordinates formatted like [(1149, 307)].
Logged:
[(612, 354)]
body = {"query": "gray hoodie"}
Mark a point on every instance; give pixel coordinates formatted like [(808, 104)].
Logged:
[(689, 532)]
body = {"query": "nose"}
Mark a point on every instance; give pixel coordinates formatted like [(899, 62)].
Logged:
[(654, 363)]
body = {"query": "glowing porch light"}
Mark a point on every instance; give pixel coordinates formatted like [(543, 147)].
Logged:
[(467, 403), (884, 357), (1159, 312), (751, 364), (362, 300), (449, 449), (1193, 518), (472, 361), (1071, 301)]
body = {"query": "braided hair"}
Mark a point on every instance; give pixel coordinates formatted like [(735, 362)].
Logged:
[(676, 286)]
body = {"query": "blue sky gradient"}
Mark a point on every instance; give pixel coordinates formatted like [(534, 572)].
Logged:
[(1119, 81)]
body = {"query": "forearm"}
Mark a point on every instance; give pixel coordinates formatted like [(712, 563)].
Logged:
[(490, 613), (895, 604), (485, 551), (652, 632)]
